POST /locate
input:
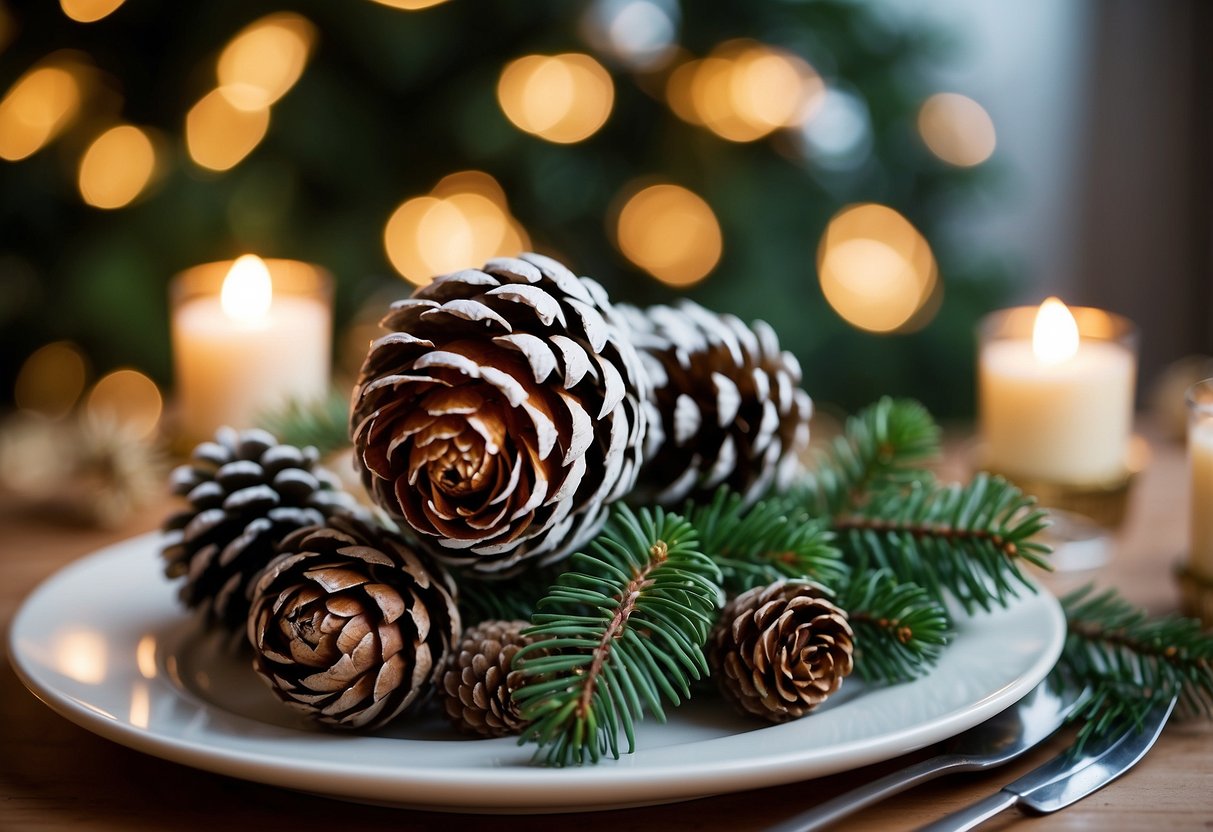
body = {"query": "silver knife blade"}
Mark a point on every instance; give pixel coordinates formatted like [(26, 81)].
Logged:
[(1068, 777)]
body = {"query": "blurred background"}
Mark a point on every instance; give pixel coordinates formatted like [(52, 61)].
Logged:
[(870, 177)]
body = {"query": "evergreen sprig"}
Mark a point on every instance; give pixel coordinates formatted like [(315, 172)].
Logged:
[(965, 540), (883, 446), (1131, 661), (511, 599), (774, 539), (622, 629), (322, 423), (900, 630)]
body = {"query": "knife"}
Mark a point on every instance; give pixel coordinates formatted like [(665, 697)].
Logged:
[(1068, 777)]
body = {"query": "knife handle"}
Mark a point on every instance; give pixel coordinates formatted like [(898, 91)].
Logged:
[(837, 808), (973, 815)]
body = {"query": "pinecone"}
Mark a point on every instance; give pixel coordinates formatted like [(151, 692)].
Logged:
[(479, 684), (246, 492), (501, 414), (726, 406), (350, 626), (780, 650)]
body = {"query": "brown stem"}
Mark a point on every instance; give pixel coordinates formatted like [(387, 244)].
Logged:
[(902, 632), (627, 604), (920, 530), (1118, 638)]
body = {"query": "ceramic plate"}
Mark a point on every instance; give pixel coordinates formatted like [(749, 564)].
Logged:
[(105, 644)]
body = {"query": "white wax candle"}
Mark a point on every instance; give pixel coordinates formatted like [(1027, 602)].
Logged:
[(1200, 455), (230, 370), (1065, 422)]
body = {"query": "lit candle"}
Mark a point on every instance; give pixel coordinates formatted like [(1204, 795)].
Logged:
[(248, 336), (1200, 456), (1058, 406)]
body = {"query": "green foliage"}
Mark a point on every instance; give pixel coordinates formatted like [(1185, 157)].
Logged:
[(900, 630), (774, 539), (322, 423), (1132, 662), (622, 629), (883, 446), (511, 599), (965, 540)]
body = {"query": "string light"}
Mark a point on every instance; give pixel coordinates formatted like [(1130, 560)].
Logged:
[(640, 34), (116, 167), (36, 109), (461, 223), (128, 398), (957, 129), (560, 98), (89, 11), (671, 233), (218, 134), (409, 5), (876, 270), (51, 380), (265, 59)]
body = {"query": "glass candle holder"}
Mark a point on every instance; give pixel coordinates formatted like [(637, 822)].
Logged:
[(248, 336), (1196, 576)]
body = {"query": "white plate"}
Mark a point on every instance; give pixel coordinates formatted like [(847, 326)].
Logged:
[(104, 643)]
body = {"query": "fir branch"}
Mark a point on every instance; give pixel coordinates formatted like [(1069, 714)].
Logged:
[(883, 446), (652, 595), (900, 630), (510, 599), (1132, 662), (966, 540), (322, 423), (772, 540)]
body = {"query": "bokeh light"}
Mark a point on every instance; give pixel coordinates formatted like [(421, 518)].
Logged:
[(460, 224), (560, 98), (876, 270), (51, 380), (89, 11), (957, 129), (117, 167), (36, 109), (639, 34), (744, 90), (409, 5), (218, 134), (265, 59), (671, 233), (128, 398), (839, 135)]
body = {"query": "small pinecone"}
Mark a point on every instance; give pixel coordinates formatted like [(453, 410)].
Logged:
[(780, 650), (246, 492), (726, 405), (501, 414), (350, 626), (478, 685)]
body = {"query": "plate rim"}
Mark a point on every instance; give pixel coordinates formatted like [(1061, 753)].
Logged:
[(588, 787)]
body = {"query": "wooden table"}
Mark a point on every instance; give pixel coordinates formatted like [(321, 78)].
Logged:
[(55, 776)]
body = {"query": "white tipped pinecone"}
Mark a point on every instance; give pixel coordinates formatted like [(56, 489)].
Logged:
[(501, 414)]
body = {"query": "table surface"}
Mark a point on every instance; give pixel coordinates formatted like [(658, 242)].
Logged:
[(55, 776)]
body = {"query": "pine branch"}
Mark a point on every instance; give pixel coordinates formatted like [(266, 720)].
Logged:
[(882, 447), (771, 540), (652, 595), (1131, 661), (899, 629), (966, 540), (511, 599), (322, 423)]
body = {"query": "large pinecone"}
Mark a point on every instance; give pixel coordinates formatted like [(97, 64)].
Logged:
[(778, 651), (350, 626), (478, 685), (501, 414), (726, 405), (245, 492)]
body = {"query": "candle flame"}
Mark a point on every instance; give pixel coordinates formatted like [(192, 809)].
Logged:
[(1055, 333), (247, 290)]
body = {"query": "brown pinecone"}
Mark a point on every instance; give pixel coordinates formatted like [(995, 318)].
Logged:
[(245, 492), (501, 414), (726, 405), (778, 651), (478, 685), (350, 626)]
